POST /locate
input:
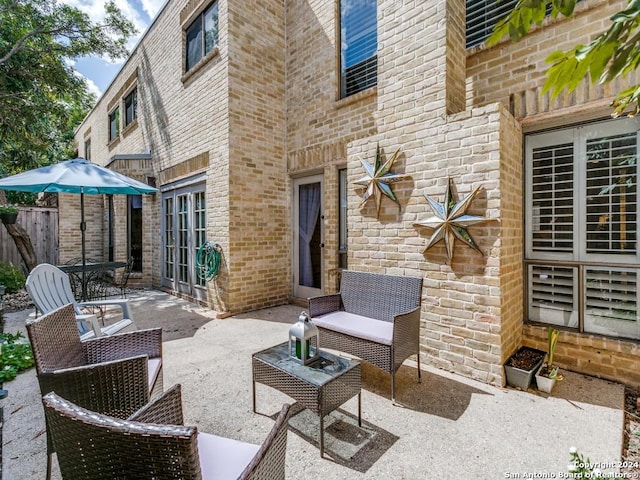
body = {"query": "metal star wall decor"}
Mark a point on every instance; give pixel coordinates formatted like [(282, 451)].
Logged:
[(378, 178), (451, 221)]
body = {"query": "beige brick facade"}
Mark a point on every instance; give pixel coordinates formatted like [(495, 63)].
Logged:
[(265, 109)]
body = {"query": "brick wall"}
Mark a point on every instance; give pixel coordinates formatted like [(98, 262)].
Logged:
[(514, 73), (266, 109), (259, 238)]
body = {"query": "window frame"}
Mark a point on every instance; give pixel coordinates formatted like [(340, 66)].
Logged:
[(200, 18), (343, 208), (132, 97), (114, 120), (87, 149), (370, 64), (569, 288)]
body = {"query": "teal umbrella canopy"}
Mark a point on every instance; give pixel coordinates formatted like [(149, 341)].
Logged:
[(75, 176)]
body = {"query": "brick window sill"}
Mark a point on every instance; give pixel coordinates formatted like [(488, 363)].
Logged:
[(198, 66), (356, 97), (129, 128)]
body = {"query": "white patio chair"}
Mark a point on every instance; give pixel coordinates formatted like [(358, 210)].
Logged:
[(49, 288)]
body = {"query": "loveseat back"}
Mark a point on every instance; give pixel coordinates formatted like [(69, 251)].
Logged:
[(378, 295)]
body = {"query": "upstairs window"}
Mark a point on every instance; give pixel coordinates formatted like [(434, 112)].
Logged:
[(131, 107), (202, 36), (87, 149), (114, 124), (358, 45), (482, 16)]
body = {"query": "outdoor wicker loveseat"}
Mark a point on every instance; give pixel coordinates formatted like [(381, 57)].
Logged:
[(375, 317)]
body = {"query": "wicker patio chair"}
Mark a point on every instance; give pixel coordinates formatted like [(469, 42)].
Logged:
[(50, 288), (115, 375), (154, 444), (393, 302)]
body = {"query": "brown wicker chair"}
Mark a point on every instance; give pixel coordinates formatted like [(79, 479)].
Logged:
[(375, 317), (154, 444), (112, 375)]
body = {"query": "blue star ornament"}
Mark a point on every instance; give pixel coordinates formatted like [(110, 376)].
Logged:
[(450, 221), (378, 179)]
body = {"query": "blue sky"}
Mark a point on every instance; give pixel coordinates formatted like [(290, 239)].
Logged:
[(100, 71)]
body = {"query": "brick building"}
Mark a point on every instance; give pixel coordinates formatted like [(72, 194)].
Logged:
[(253, 118)]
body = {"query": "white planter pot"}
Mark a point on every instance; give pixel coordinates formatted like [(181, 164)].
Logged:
[(545, 384)]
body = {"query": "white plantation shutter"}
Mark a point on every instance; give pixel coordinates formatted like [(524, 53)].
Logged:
[(552, 294), (581, 210), (611, 194), (611, 305), (552, 198)]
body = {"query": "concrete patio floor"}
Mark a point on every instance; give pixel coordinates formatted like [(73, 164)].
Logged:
[(449, 427)]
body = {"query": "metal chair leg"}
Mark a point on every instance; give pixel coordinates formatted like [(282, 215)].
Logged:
[(393, 387), (419, 371), (49, 461)]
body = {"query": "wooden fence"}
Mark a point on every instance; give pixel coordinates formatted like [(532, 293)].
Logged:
[(41, 223)]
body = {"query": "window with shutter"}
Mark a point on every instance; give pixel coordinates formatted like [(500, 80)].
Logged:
[(581, 220), (482, 16), (358, 45)]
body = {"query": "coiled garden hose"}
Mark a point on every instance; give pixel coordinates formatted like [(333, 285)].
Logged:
[(208, 260)]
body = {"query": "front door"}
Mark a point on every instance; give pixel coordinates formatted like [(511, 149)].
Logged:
[(308, 237), (184, 232)]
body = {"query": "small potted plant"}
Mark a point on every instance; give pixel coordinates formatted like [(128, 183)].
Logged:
[(521, 367), (8, 214), (548, 374)]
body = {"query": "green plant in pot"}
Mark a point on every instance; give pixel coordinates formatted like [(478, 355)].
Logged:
[(549, 374), (8, 213)]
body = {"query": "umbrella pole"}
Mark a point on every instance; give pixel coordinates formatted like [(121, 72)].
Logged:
[(83, 227)]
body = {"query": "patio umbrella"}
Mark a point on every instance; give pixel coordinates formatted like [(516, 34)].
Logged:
[(76, 176)]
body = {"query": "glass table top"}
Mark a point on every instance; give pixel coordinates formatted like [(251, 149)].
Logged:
[(328, 367)]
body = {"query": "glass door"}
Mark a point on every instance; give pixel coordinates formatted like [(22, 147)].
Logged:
[(184, 231), (308, 237)]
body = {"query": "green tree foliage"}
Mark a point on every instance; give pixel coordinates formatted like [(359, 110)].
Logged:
[(11, 277), (611, 54), (42, 100)]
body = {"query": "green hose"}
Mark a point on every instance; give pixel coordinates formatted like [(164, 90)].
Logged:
[(208, 260)]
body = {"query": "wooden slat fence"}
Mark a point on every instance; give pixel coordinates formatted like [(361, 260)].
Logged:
[(41, 223)]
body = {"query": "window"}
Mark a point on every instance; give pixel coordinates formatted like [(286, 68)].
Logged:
[(131, 107), (87, 149), (582, 227), (482, 16), (135, 231), (169, 238), (358, 45), (342, 218), (199, 229), (114, 124), (202, 36)]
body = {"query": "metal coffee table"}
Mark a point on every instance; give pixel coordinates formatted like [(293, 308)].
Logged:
[(321, 386)]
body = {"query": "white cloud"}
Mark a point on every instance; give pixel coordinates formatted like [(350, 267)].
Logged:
[(152, 7), (93, 88), (95, 10), (91, 85)]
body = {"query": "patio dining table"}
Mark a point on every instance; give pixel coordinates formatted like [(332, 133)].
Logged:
[(94, 283)]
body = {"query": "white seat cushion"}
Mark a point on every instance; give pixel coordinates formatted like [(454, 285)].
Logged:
[(153, 368), (223, 458), (367, 328)]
